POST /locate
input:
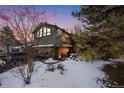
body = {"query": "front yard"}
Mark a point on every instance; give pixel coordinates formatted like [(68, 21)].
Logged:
[(75, 73)]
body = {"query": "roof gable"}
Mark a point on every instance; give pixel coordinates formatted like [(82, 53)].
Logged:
[(50, 25)]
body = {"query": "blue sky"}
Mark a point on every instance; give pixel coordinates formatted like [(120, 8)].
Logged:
[(63, 18), (59, 14)]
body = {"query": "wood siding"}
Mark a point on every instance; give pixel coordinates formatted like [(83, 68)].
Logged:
[(57, 37)]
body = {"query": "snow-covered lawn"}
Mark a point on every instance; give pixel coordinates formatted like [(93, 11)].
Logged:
[(77, 74)]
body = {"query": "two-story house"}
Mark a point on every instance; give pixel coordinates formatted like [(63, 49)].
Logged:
[(52, 40)]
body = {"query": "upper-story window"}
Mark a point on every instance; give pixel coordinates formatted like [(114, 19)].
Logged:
[(40, 33), (48, 31), (45, 31)]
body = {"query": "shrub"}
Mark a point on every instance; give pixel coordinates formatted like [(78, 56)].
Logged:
[(51, 67), (61, 67)]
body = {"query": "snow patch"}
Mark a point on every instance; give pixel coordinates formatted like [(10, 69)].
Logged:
[(77, 74)]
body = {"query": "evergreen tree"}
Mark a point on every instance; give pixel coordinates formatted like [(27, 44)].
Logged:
[(7, 38), (105, 25)]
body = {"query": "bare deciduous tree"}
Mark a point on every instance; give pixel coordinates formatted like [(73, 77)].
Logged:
[(23, 20)]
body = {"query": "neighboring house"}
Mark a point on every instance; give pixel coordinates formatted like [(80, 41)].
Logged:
[(52, 40), (7, 40), (3, 48)]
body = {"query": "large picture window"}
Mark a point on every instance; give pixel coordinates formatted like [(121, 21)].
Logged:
[(45, 31)]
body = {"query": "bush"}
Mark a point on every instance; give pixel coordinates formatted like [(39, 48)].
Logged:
[(51, 67), (89, 54), (61, 67)]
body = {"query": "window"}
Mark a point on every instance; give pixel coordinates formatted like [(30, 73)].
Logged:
[(44, 32), (48, 31), (39, 33)]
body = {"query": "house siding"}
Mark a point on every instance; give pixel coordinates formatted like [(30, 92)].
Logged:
[(45, 40), (58, 39)]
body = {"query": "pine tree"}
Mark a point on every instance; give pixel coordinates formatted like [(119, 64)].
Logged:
[(7, 38), (105, 38)]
